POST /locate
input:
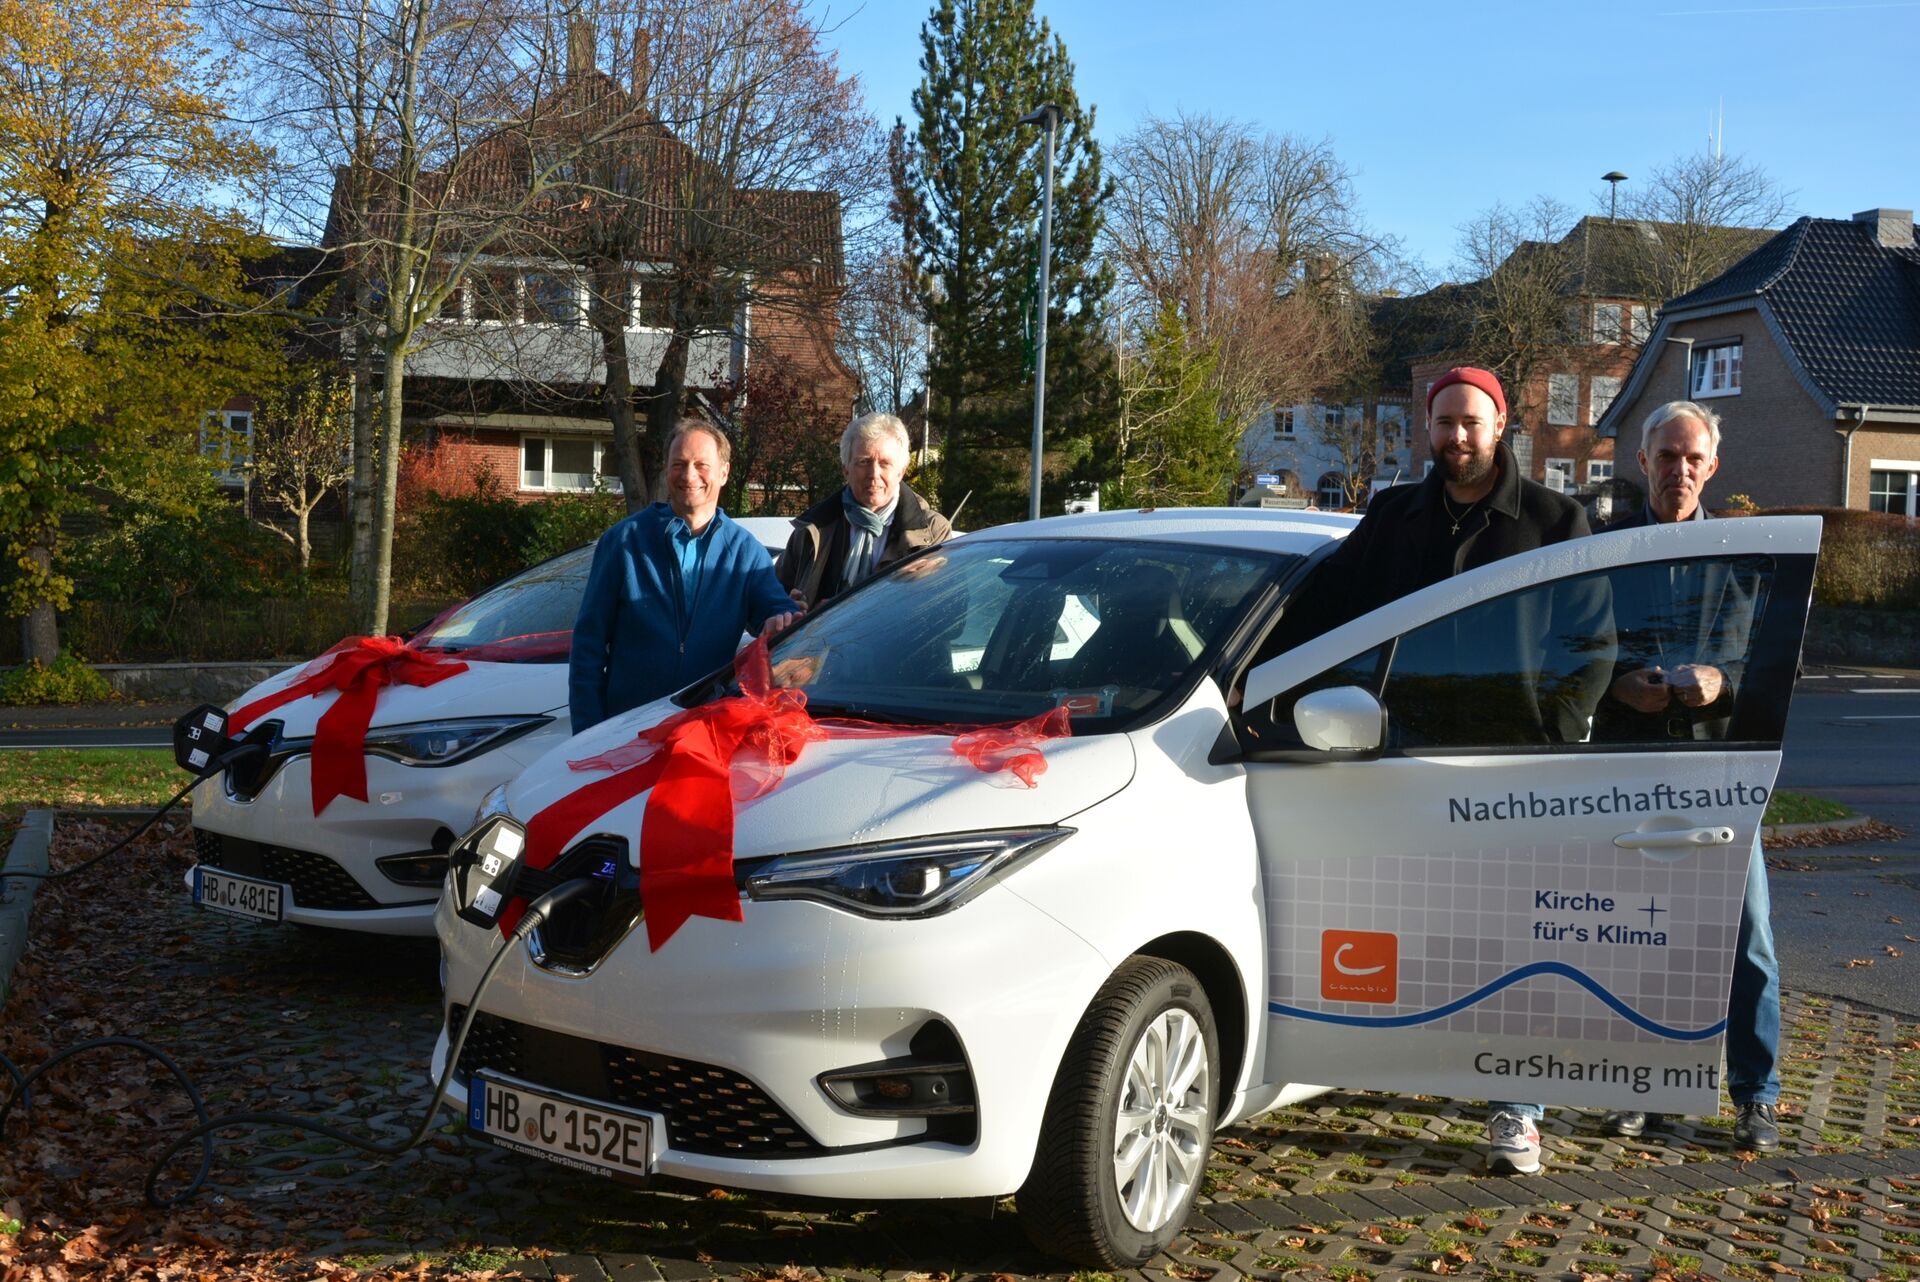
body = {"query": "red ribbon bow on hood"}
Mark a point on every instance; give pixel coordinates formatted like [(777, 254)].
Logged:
[(358, 668), (703, 761)]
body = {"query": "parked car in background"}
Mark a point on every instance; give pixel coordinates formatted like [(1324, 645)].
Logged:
[(431, 753), (1256, 863)]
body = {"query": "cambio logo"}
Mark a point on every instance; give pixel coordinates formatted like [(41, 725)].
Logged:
[(1359, 966)]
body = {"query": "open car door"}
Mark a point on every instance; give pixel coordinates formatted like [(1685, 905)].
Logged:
[(1505, 822)]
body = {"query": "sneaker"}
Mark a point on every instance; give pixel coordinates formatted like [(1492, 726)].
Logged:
[(1629, 1125), (1513, 1144), (1754, 1126)]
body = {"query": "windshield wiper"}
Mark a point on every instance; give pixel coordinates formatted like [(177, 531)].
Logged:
[(853, 712)]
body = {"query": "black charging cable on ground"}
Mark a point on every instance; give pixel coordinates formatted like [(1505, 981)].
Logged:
[(537, 912)]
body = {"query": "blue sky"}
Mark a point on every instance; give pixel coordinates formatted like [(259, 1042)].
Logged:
[(1443, 109)]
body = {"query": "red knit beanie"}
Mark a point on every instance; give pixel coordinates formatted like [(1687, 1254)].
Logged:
[(1480, 378)]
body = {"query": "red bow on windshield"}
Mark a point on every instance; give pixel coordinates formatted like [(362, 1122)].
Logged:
[(358, 668), (701, 762)]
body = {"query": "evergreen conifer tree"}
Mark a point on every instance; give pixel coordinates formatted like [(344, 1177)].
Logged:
[(967, 191)]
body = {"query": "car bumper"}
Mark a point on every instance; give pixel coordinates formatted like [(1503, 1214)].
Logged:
[(800, 989), (331, 861)]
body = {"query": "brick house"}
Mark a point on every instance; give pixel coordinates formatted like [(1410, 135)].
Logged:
[(1557, 443), (508, 378), (1809, 349)]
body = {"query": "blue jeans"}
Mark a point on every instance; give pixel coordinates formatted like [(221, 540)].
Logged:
[(1753, 1003)]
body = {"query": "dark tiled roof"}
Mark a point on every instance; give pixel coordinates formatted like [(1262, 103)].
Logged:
[(1848, 306)]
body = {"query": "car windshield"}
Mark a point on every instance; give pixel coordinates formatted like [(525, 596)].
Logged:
[(527, 617), (983, 631)]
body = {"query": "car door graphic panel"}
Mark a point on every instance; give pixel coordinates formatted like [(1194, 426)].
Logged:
[(1532, 891)]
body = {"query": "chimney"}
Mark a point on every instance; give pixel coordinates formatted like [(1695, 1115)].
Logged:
[(642, 52), (1892, 228), (579, 48)]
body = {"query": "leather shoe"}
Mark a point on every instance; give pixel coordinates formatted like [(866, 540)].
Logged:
[(1754, 1126), (1628, 1124)]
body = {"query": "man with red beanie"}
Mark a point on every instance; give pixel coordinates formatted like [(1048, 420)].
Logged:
[(1473, 509)]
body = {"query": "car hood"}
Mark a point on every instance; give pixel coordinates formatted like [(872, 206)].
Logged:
[(483, 690), (843, 791)]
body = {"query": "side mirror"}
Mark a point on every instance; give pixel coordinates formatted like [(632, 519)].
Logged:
[(1342, 719), (483, 867), (200, 739)]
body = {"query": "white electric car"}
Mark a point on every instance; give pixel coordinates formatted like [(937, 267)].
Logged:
[(431, 753), (1259, 862)]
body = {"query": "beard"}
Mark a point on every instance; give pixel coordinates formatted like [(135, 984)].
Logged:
[(1467, 469)]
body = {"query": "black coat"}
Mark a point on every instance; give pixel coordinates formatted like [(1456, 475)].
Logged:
[(1388, 554)]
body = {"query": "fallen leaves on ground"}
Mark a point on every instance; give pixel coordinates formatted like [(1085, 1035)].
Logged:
[(1871, 830)]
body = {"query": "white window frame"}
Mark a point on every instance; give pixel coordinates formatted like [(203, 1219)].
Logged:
[(1563, 467), (1599, 470), (218, 445), (1896, 466), (1642, 324), (546, 485), (1599, 401), (1283, 423), (521, 269), (1612, 331), (1571, 382), (1726, 382), (1332, 483)]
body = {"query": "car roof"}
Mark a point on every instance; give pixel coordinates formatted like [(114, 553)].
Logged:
[(771, 532), (1261, 529)]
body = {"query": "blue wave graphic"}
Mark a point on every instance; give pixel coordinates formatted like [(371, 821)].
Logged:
[(1507, 980)]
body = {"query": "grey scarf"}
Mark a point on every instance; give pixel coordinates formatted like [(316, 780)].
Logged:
[(866, 536)]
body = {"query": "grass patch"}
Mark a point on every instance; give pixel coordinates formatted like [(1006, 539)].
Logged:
[(1799, 808), (36, 777)]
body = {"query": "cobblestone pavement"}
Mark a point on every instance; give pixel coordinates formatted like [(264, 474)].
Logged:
[(1350, 1186)]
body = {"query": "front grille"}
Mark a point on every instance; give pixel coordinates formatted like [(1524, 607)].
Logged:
[(315, 880), (709, 1109)]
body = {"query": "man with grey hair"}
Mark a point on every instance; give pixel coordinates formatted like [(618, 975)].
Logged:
[(872, 522), (1699, 627)]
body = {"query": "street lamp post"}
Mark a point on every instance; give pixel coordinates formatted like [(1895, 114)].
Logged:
[(1613, 178), (1048, 115)]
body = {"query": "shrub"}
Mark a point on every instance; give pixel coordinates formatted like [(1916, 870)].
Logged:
[(1868, 560), (67, 680), (569, 521), (454, 544)]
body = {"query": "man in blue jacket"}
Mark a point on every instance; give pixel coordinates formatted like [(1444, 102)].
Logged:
[(672, 588)]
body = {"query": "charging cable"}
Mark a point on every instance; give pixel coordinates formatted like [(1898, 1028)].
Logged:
[(207, 1126)]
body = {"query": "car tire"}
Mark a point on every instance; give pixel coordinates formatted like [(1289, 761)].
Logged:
[(1136, 1092)]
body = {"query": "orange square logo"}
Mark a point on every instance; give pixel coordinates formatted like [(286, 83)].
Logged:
[(1359, 966)]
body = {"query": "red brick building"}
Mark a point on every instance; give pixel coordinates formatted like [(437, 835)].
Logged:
[(508, 378)]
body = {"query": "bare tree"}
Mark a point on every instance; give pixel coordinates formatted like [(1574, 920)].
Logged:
[(302, 452), (883, 337), (1701, 213), (1520, 314), (1256, 239), (716, 189)]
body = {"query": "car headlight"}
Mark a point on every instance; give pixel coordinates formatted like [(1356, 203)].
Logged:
[(917, 878), (491, 805), (441, 743)]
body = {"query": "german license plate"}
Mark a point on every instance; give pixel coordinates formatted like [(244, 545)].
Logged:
[(241, 896), (562, 1128)]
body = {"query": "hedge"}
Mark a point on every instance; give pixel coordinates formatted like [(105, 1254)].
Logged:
[(1868, 560), (246, 629)]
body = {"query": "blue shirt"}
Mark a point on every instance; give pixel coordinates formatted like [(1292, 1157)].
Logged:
[(691, 549)]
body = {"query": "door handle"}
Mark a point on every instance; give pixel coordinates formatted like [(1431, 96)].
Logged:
[(1674, 839)]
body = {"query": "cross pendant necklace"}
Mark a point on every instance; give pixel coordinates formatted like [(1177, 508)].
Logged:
[(1450, 516)]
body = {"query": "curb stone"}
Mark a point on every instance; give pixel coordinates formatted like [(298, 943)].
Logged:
[(28, 854)]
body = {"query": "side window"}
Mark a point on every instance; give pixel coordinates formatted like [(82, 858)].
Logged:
[(1644, 654)]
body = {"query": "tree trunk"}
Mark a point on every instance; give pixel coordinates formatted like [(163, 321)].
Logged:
[(611, 321), (663, 406), (360, 495), (306, 544), (392, 405), (40, 626)]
